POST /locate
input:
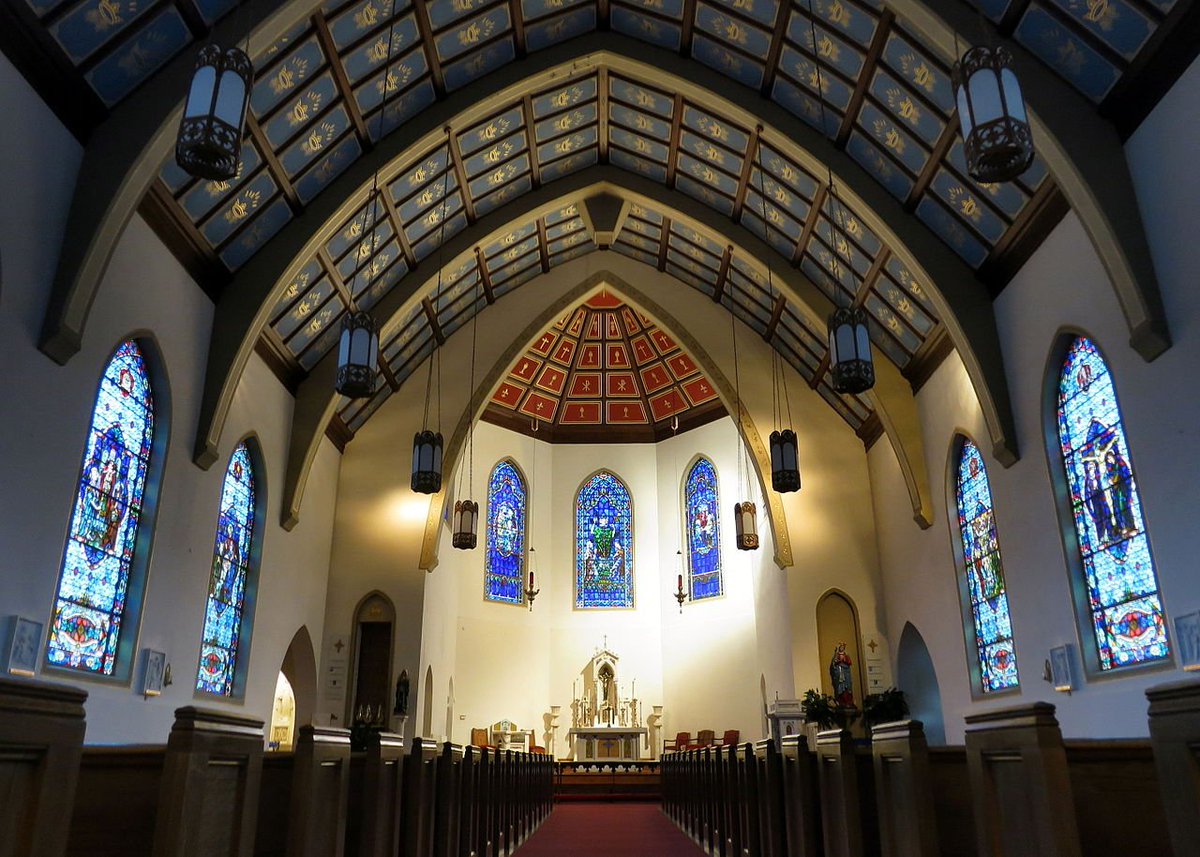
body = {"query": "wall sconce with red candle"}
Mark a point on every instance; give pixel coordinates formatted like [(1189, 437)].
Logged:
[(530, 592), (680, 595)]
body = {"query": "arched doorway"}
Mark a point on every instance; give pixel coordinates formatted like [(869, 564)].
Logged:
[(837, 623), (916, 677), (427, 720), (449, 736), (371, 660), (283, 716), (299, 670)]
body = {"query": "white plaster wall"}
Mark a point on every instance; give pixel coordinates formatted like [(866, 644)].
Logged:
[(46, 419), (1064, 285)]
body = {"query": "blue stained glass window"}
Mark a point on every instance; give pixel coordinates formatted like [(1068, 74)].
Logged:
[(95, 578), (504, 562), (603, 543), (227, 583), (985, 573), (1122, 587), (703, 530)]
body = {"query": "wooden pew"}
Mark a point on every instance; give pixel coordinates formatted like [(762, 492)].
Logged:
[(904, 790), (417, 815), (1175, 736), (471, 801), (41, 741), (447, 824), (950, 784), (485, 791), (1020, 784), (772, 831), (373, 806), (1117, 797), (302, 809), (801, 797), (731, 814), (195, 797), (849, 823)]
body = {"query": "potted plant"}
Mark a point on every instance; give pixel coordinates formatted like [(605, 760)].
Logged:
[(822, 709), (886, 707)]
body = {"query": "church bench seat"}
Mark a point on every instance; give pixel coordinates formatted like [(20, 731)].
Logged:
[(849, 819), (1107, 775), (904, 790), (417, 807), (1175, 735), (302, 807), (192, 798), (373, 805), (801, 797), (41, 741), (950, 785), (772, 830), (448, 804)]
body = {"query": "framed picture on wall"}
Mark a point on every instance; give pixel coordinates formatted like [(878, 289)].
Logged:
[(1187, 638), (153, 671), (24, 643), (1060, 668)]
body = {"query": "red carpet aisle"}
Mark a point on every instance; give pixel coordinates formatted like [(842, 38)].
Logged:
[(608, 830)]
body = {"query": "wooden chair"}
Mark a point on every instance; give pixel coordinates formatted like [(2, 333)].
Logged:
[(680, 743), (479, 738), (731, 737), (704, 738)]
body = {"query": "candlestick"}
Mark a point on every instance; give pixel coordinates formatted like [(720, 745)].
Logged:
[(679, 578)]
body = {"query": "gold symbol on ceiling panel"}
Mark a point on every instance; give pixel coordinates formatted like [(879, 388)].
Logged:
[(304, 107), (475, 32), (243, 205), (1100, 12), (920, 73), (107, 14), (966, 203), (289, 74), (838, 14), (395, 78), (903, 105), (378, 52), (366, 17), (1070, 57), (319, 138)]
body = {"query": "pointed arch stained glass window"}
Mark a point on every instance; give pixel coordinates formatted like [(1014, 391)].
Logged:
[(985, 573), (703, 530), (603, 543), (504, 561), (1122, 587), (224, 608), (95, 578)]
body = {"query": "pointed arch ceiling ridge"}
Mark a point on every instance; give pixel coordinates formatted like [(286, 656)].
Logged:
[(1093, 163), (908, 242)]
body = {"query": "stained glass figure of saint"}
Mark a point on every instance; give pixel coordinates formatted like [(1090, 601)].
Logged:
[(703, 530), (1122, 586), (504, 563), (604, 543), (985, 573), (95, 578), (227, 581)]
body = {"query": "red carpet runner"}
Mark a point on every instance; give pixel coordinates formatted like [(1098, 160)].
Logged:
[(608, 830)]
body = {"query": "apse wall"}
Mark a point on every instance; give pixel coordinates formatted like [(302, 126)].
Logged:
[(48, 409), (381, 525), (1064, 286)]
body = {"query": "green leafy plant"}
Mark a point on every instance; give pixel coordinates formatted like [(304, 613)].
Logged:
[(885, 707), (821, 709)]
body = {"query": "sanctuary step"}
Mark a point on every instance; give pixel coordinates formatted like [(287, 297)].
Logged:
[(595, 781)]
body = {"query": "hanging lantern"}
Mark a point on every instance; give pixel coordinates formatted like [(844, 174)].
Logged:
[(991, 111), (785, 462), (745, 519), (358, 356), (466, 518), (210, 134), (427, 462), (850, 366)]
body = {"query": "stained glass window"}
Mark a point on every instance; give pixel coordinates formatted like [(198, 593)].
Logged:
[(95, 578), (603, 543), (227, 583), (1122, 587), (985, 573), (504, 562), (703, 530)]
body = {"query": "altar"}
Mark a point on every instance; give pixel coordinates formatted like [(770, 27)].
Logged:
[(607, 743)]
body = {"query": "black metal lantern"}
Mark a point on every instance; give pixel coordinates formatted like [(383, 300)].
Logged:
[(466, 520), (785, 462), (427, 462), (745, 520), (850, 366), (991, 111), (210, 134), (358, 356)]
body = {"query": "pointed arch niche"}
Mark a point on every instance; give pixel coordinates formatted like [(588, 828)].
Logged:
[(1119, 610), (371, 659), (982, 590), (102, 579), (837, 622)]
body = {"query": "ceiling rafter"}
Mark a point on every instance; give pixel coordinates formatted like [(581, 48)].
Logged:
[(518, 22), (460, 175), (723, 274), (776, 315), (814, 211), (940, 149), (664, 243), (602, 108), (342, 81), (543, 245), (389, 204), (183, 239), (673, 143), (335, 277), (686, 31), (775, 49), (286, 368), (434, 326), (273, 166), (535, 163), (751, 160), (425, 29), (882, 29)]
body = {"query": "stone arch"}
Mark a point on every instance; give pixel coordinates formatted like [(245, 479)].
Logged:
[(427, 703), (916, 676), (299, 666)]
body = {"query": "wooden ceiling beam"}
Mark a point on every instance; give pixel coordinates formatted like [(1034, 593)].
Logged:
[(431, 316), (743, 186), (342, 81), (485, 278), (276, 169), (723, 274), (878, 42), (460, 174), (425, 29)]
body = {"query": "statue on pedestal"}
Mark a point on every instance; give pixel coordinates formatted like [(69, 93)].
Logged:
[(839, 674), (401, 706)]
